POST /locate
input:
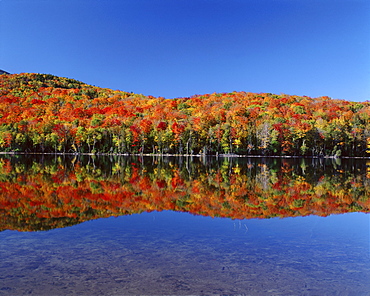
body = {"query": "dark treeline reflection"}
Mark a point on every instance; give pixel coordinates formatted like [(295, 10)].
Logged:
[(40, 192)]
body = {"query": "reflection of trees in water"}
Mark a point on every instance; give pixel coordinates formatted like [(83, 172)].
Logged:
[(41, 192)]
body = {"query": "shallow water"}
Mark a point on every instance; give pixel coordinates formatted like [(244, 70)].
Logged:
[(169, 253), (59, 237)]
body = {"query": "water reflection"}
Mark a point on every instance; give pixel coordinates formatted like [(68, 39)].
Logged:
[(167, 250), (41, 194), (171, 253)]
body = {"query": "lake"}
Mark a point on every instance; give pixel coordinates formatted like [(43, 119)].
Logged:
[(114, 225)]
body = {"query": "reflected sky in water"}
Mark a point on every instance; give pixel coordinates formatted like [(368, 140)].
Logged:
[(178, 253), (167, 252)]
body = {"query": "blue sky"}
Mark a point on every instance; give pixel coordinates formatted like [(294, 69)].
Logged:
[(178, 48)]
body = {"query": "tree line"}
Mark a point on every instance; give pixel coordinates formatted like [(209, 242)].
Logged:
[(49, 114)]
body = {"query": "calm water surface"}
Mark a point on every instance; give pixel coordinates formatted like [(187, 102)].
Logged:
[(178, 253)]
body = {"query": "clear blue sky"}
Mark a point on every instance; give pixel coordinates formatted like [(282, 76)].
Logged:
[(178, 48)]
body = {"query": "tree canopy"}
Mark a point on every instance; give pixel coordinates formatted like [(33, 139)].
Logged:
[(46, 113)]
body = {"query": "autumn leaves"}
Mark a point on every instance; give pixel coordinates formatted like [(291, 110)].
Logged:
[(49, 114)]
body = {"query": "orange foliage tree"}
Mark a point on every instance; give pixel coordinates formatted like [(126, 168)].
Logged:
[(45, 113)]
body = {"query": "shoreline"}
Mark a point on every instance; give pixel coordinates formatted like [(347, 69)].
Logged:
[(183, 155)]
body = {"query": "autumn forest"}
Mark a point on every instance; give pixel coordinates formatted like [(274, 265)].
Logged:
[(48, 114)]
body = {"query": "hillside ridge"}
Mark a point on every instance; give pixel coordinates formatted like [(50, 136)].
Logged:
[(46, 113)]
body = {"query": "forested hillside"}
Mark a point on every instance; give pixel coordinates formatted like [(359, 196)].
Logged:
[(45, 113)]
